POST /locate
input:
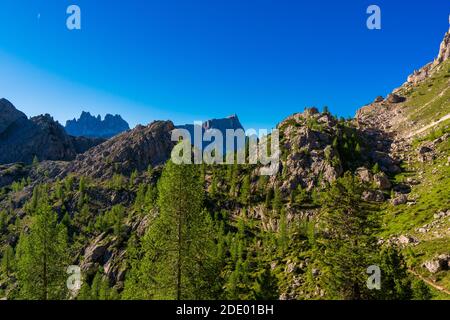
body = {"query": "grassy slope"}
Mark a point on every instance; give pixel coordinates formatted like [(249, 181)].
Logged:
[(429, 101), (426, 103)]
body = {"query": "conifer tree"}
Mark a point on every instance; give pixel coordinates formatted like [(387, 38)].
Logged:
[(266, 286), (277, 202), (7, 265), (245, 191), (283, 236), (269, 197), (348, 246), (420, 290), (395, 280), (179, 251), (42, 256)]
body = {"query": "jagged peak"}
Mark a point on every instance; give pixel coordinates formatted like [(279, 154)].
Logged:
[(91, 126)]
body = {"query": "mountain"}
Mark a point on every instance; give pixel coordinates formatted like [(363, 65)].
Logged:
[(229, 123), (276, 236), (90, 126), (22, 139)]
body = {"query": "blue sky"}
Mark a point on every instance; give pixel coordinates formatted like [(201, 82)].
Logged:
[(200, 59)]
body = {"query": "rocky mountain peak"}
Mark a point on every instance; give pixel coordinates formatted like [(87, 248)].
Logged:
[(134, 149), (424, 73), (22, 139), (8, 115), (89, 126), (231, 122), (444, 50)]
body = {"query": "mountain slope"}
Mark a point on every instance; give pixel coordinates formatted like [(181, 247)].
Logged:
[(268, 227), (22, 139)]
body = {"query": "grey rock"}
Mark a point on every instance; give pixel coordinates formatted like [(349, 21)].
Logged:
[(400, 199), (382, 181), (94, 127), (394, 98), (442, 262)]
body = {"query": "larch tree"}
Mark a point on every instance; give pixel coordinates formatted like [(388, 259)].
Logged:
[(348, 246), (179, 250), (42, 256)]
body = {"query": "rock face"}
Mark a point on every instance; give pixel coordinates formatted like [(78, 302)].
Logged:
[(444, 50), (129, 151), (94, 127), (307, 152), (224, 124), (22, 139)]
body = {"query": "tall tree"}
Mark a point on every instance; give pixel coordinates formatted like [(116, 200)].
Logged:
[(348, 246), (179, 250), (245, 191), (395, 280), (8, 260), (42, 256)]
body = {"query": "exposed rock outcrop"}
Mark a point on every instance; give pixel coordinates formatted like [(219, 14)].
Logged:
[(129, 151), (442, 262)]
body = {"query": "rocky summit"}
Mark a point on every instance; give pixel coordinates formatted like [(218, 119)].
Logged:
[(222, 125), (90, 126), (23, 139)]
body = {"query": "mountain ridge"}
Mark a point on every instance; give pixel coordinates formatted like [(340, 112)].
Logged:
[(90, 126)]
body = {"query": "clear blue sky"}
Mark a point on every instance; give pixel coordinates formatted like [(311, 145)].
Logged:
[(198, 59)]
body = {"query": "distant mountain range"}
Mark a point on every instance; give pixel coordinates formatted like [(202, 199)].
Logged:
[(94, 127), (23, 139)]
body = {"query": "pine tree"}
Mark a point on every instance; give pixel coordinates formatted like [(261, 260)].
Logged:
[(348, 246), (277, 202), (269, 197), (395, 280), (420, 290), (245, 191), (266, 286), (133, 178), (42, 256), (95, 287), (214, 183), (283, 236), (376, 168), (35, 161), (179, 251), (3, 220), (8, 262), (85, 292)]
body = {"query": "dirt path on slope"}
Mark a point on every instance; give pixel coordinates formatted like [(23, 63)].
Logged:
[(431, 283), (431, 125)]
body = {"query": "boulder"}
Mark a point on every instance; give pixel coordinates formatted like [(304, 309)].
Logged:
[(95, 252), (404, 240), (364, 174), (399, 199), (382, 181), (373, 195), (442, 262), (378, 99), (394, 98)]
